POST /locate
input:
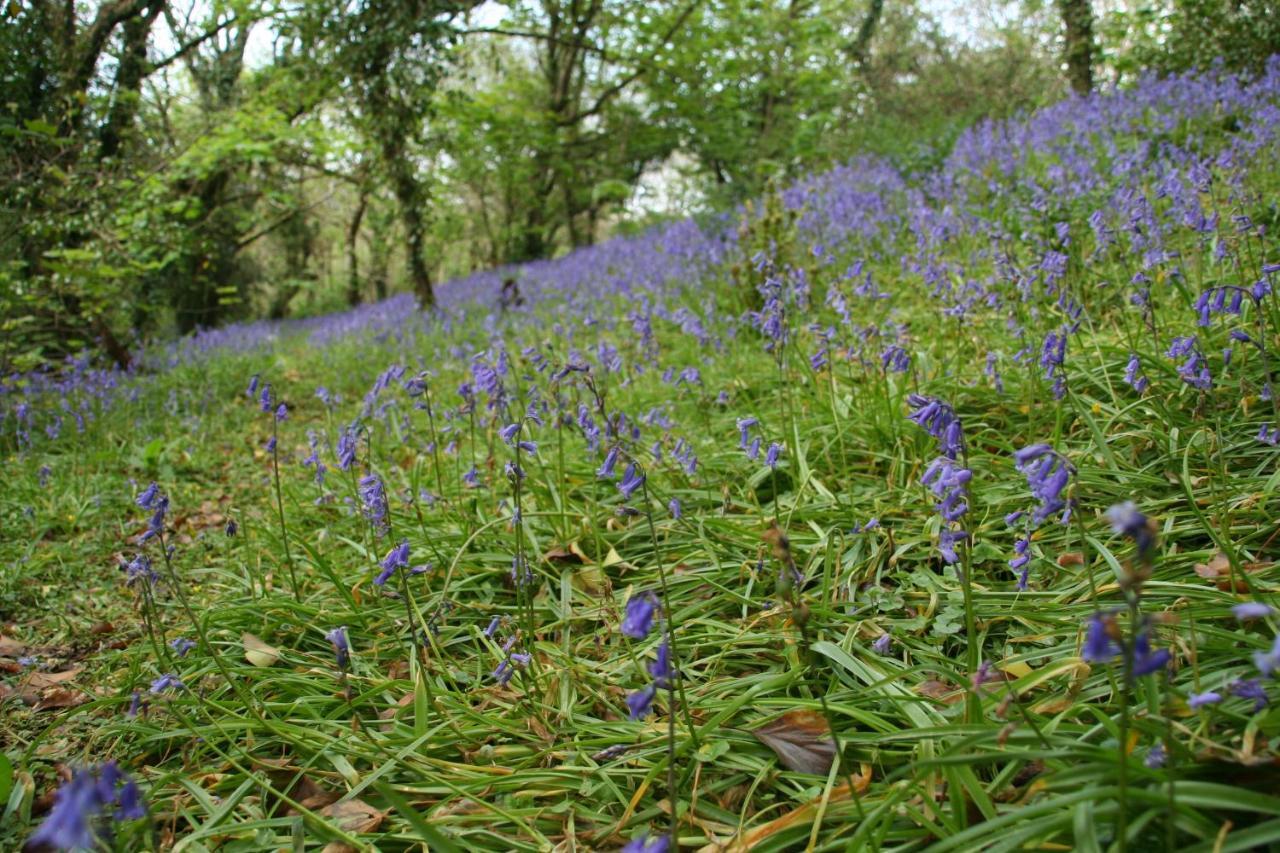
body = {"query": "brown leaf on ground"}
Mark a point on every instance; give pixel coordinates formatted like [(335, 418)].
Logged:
[(41, 680), (566, 554), (257, 652), (354, 815), (53, 698), (1218, 569), (940, 690), (11, 648), (800, 816), (802, 741), (1070, 558), (388, 715)]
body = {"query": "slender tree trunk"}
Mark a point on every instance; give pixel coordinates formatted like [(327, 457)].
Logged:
[(1078, 49), (130, 72), (353, 260)]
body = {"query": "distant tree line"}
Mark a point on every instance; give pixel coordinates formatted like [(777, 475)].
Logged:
[(166, 166)]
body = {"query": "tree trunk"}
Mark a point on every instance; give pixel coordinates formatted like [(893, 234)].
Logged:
[(353, 260), (1077, 18), (130, 72)]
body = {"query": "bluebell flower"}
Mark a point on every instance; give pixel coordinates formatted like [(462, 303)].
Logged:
[(1052, 357), (895, 359), (638, 619), (341, 647), (1098, 646), (90, 798), (139, 569), (472, 478), (744, 431), (1155, 757), (374, 498), (609, 466), (882, 643), (253, 385), (155, 525), (660, 669), (493, 626), (148, 497), (1194, 370), (397, 558), (1250, 688), (771, 456), (947, 541), (632, 480), (673, 506), (1133, 374), (282, 412), (1127, 520), (1199, 700), (643, 844), (181, 646), (940, 421), (346, 448), (168, 681), (1251, 610), (1146, 661), (1048, 473), (641, 702)]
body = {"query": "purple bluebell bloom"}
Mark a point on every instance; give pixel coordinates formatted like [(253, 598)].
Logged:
[(1194, 370), (1145, 660), (1133, 375), (1098, 646), (341, 646), (168, 681), (1155, 757), (673, 506), (882, 643), (771, 456), (638, 619), (1199, 700), (1251, 610), (373, 496), (1250, 688), (940, 421), (79, 806), (181, 646), (640, 702), (1127, 520), (397, 558), (632, 480), (643, 844), (609, 466)]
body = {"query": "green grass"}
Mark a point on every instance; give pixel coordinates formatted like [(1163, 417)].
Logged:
[(432, 751)]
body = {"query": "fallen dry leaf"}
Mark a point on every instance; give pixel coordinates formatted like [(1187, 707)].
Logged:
[(1070, 558), (800, 816), (257, 652), (940, 690), (802, 741), (354, 815), (55, 698), (1218, 569), (11, 648), (42, 680)]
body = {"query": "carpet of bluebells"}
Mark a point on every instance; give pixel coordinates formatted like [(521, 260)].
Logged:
[(927, 510)]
